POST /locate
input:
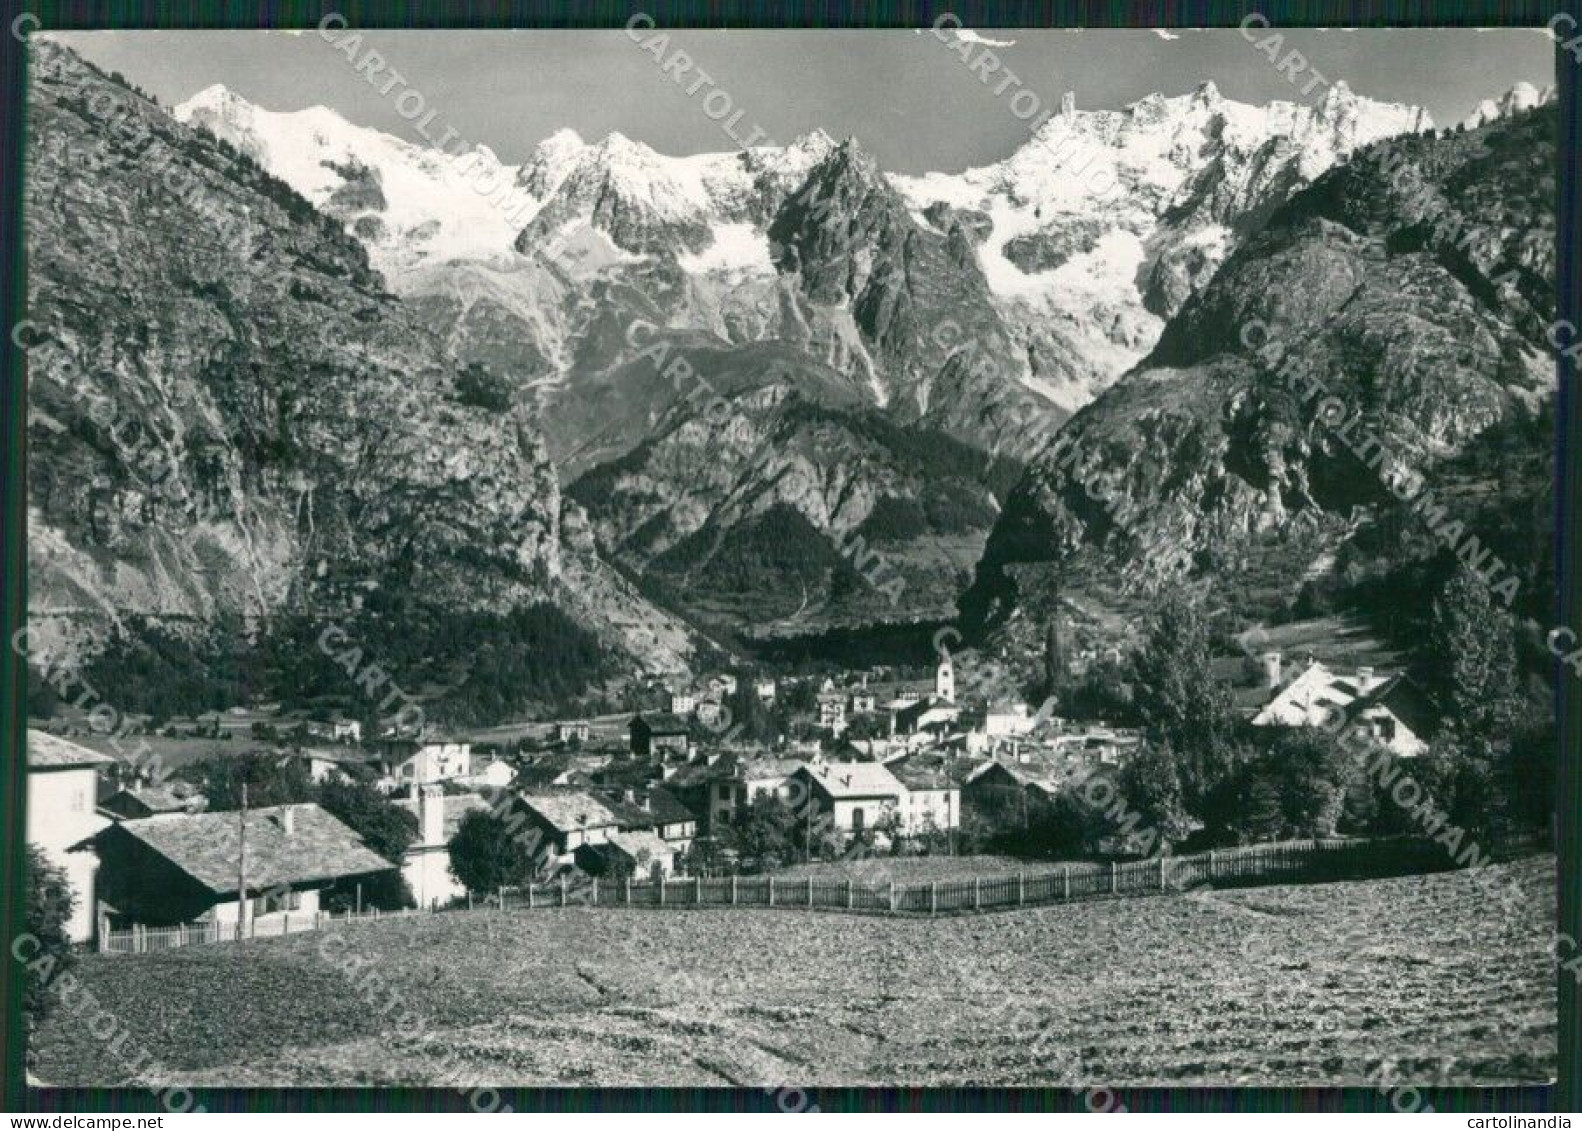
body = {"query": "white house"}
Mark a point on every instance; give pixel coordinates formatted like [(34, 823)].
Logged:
[(1007, 719), (425, 760), (853, 795), (682, 703), (1388, 708), (62, 813), (493, 774), (931, 801)]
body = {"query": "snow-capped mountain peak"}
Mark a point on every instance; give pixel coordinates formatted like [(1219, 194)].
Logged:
[(1522, 96)]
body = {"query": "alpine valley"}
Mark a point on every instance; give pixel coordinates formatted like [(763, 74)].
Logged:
[(678, 403)]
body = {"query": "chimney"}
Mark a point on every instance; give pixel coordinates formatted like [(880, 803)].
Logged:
[(288, 819), (1068, 104), (431, 815), (1364, 680), (1271, 669)]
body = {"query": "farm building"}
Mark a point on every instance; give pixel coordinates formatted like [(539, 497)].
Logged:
[(325, 762), (161, 871), (134, 802), (638, 854), (660, 737), (62, 785), (569, 819)]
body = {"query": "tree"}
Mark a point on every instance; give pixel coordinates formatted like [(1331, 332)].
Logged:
[(1175, 692), (1296, 787), (384, 827), (50, 902), (764, 830), (487, 853), (1152, 789), (1471, 659), (270, 779), (1056, 665)]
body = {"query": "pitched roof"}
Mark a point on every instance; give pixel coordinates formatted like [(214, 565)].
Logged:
[(206, 846), (855, 779), (666, 809), (919, 779), (570, 810), (347, 755), (760, 769), (47, 752), (640, 841), (701, 771), (174, 798), (1403, 698), (628, 814), (661, 722)]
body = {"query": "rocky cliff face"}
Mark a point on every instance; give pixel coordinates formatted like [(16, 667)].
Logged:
[(778, 514), (1408, 288), (229, 416)]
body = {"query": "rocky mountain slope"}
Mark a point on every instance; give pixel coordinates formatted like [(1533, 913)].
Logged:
[(1410, 288), (779, 514), (981, 307), (232, 420)]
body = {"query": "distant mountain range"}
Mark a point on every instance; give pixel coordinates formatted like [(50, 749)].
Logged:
[(683, 322)]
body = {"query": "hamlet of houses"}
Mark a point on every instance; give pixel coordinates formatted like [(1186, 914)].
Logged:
[(595, 802)]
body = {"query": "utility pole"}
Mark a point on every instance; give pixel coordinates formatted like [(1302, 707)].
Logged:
[(241, 869)]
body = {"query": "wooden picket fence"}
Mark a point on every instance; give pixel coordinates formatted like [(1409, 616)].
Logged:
[(1287, 862), (1290, 861), (146, 940)]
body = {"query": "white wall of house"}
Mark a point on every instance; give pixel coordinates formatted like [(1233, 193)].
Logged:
[(1385, 728), (943, 806), (436, 761), (60, 813), (843, 816), (426, 870), (301, 903)]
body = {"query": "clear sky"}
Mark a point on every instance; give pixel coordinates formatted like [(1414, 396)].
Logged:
[(912, 102)]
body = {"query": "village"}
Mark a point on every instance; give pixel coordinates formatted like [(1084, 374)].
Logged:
[(736, 773)]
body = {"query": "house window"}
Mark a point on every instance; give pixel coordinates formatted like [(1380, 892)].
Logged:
[(857, 820), (275, 901)]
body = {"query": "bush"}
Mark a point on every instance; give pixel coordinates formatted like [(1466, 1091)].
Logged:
[(50, 902)]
